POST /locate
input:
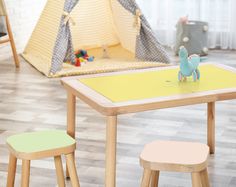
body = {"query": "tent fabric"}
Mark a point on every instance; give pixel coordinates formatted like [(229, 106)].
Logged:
[(106, 65), (3, 13), (3, 30), (95, 24), (119, 59), (126, 30), (63, 49), (99, 24), (2, 8), (39, 50), (147, 46)]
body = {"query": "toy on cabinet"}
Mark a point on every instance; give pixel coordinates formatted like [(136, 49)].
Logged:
[(188, 65)]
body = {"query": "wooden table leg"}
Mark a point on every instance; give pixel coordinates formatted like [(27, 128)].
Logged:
[(111, 135), (211, 126), (71, 108)]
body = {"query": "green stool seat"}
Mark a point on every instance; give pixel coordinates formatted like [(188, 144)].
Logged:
[(39, 141), (35, 145)]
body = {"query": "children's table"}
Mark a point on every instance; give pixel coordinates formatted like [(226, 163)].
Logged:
[(117, 93)]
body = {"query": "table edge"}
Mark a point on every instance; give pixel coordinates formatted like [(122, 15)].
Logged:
[(107, 107)]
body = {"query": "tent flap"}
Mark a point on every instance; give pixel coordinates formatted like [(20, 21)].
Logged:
[(63, 49), (2, 8), (148, 47)]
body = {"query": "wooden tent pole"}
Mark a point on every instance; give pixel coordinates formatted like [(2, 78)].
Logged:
[(13, 47)]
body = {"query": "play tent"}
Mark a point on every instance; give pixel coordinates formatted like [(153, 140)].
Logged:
[(116, 27)]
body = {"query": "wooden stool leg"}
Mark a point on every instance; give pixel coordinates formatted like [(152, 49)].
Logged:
[(59, 170), (146, 178), (204, 178), (72, 170), (25, 173), (155, 178), (196, 180), (11, 171)]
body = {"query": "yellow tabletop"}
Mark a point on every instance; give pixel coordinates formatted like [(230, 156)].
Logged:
[(160, 83)]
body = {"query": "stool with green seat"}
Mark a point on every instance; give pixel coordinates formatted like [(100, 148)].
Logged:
[(37, 145)]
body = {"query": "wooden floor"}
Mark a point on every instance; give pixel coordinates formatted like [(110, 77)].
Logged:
[(29, 102)]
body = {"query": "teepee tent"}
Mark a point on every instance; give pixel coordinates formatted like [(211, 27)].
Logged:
[(115, 26)]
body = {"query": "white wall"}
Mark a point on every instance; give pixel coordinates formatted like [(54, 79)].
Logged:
[(23, 15)]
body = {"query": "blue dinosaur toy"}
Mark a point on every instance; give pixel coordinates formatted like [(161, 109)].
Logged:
[(188, 65)]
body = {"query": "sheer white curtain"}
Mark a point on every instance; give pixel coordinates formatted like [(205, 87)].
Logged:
[(220, 14)]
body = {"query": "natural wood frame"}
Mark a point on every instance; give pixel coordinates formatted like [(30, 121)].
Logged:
[(59, 171), (11, 40), (199, 179), (112, 110), (68, 151), (197, 166), (42, 154), (11, 170)]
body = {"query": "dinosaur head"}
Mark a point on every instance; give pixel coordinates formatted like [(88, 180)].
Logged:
[(183, 53)]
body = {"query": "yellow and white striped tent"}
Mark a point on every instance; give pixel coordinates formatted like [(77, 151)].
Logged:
[(69, 25), (2, 8)]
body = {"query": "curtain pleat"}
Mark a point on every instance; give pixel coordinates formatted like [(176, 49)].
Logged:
[(220, 14)]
